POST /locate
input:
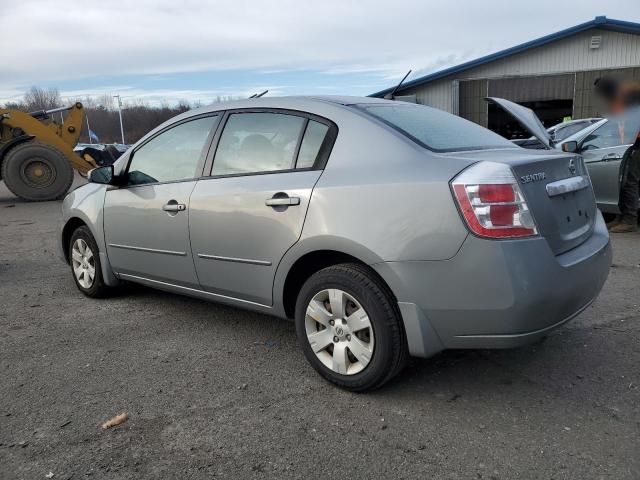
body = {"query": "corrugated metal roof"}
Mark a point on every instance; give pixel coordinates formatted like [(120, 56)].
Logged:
[(602, 23)]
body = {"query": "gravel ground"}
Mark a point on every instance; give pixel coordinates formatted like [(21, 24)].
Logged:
[(217, 392)]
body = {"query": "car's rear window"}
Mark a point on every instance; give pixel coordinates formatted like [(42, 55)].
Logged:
[(436, 130)]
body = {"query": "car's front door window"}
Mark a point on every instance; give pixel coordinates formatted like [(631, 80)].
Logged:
[(173, 155), (612, 134), (606, 136)]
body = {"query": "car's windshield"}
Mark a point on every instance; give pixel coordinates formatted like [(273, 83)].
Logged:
[(434, 129), (581, 134), (564, 131)]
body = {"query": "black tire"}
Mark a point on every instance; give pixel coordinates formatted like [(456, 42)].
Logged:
[(37, 172), (390, 350), (97, 289)]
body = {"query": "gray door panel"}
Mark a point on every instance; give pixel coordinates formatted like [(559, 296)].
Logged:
[(241, 227), (147, 232), (603, 165)]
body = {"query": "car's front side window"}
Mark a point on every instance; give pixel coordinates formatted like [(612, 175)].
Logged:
[(608, 135), (257, 142), (173, 155)]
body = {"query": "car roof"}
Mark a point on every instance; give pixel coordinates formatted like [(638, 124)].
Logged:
[(349, 100), (577, 120), (560, 125), (301, 101)]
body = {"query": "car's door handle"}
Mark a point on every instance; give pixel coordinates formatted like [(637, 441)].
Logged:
[(282, 201), (174, 207), (611, 156)]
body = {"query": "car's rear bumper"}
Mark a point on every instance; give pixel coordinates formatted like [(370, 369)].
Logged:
[(497, 294)]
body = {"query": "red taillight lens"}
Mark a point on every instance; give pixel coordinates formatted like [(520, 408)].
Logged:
[(491, 202), (496, 193), (502, 215)]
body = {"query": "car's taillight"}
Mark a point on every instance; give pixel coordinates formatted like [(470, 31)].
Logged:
[(491, 202)]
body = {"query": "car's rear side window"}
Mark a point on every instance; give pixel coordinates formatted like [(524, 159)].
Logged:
[(434, 129), (257, 142)]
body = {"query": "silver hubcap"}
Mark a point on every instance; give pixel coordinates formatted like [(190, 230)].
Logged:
[(339, 331), (84, 267)]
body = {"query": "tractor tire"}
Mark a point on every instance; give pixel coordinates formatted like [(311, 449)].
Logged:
[(37, 172)]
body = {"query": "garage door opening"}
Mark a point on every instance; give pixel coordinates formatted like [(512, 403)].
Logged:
[(551, 112)]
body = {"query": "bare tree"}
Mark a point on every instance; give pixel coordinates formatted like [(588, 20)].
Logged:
[(138, 116), (38, 98)]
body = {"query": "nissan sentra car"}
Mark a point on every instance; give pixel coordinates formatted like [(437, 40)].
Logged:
[(383, 229)]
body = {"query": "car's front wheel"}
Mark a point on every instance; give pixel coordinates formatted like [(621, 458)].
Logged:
[(85, 264), (349, 327)]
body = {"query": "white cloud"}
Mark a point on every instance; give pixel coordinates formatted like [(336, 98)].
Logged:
[(45, 42)]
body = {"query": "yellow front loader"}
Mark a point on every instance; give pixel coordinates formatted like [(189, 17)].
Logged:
[(36, 154)]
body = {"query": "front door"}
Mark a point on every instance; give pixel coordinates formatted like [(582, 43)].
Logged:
[(251, 210), (146, 221), (602, 152)]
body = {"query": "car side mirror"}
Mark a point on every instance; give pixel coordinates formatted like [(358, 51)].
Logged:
[(570, 147), (102, 175)]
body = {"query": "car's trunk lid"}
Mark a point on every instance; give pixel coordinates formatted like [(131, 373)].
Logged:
[(557, 190), (560, 197)]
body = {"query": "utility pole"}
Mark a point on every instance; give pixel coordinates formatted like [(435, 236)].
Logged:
[(89, 130), (120, 113)]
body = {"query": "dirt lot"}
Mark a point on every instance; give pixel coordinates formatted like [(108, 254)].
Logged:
[(218, 392)]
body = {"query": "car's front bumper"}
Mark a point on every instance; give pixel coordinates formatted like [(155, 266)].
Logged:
[(496, 294)]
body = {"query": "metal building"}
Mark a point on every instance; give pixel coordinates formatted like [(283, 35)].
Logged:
[(554, 75)]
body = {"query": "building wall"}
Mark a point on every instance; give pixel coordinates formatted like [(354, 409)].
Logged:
[(472, 104), (570, 55), (533, 88), (437, 94), (585, 103)]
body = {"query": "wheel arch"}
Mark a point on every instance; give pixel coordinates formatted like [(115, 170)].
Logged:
[(67, 231), (310, 256), (71, 225)]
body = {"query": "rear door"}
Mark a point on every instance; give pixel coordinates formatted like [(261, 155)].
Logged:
[(146, 221), (251, 209)]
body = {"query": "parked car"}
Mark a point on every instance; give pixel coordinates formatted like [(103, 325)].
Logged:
[(600, 145), (383, 229), (604, 155), (557, 133)]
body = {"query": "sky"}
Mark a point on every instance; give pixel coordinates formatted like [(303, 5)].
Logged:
[(166, 51)]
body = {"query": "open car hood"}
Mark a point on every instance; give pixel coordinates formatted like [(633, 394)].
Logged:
[(526, 117)]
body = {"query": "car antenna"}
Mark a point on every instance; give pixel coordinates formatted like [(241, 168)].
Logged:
[(389, 96), (258, 95)]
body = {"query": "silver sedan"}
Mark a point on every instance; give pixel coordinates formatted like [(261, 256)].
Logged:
[(382, 229)]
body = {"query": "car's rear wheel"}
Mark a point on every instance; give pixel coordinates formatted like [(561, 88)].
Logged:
[(85, 264), (349, 327)]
